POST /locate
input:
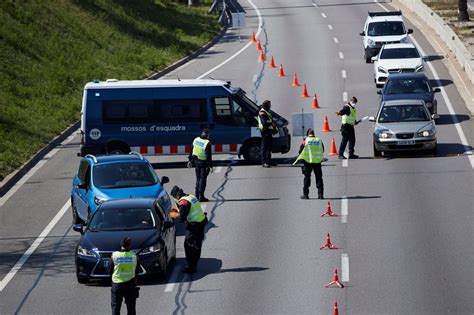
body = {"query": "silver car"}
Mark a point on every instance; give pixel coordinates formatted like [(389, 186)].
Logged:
[(404, 125)]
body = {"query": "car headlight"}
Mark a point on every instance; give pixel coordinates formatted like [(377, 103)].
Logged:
[(419, 68), (98, 200), (151, 249), (404, 40), (370, 43), (385, 135), (85, 252), (426, 133), (381, 69)]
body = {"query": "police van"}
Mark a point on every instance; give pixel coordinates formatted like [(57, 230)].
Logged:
[(162, 117)]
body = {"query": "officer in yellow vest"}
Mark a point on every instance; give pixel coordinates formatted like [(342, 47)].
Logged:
[(124, 271), (201, 157), (311, 153), (349, 120), (267, 129), (191, 212)]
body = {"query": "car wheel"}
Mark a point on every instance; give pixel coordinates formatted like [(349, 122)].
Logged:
[(253, 152), (377, 153), (433, 151), (82, 280), (164, 266)]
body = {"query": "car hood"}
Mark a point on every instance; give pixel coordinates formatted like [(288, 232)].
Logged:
[(134, 192), (404, 126), (110, 240), (407, 63), (427, 97)]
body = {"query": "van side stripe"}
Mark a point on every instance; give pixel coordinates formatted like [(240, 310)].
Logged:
[(184, 149), (233, 147), (187, 149), (173, 149), (158, 149), (143, 149), (218, 148)]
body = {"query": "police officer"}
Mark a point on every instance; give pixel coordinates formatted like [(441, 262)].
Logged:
[(124, 270), (201, 157), (267, 128), (311, 153), (191, 212), (349, 119)]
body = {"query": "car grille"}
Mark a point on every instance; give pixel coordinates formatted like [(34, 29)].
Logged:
[(408, 135), (402, 70)]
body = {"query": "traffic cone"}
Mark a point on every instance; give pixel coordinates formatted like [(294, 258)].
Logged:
[(328, 243), (315, 102), (333, 148), (326, 125), (329, 211), (281, 73), (305, 92), (259, 45), (253, 40), (272, 63), (295, 80), (261, 58), (336, 310), (335, 281)]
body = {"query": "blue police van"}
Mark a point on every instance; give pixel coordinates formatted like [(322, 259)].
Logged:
[(162, 117)]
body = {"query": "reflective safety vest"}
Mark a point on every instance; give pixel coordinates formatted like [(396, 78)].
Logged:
[(351, 119), (196, 214), (269, 116), (125, 264), (199, 148), (313, 151)]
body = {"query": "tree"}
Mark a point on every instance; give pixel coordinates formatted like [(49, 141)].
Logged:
[(463, 13)]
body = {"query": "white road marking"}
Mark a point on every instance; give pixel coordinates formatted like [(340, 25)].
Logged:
[(449, 105), (345, 267), (218, 169), (173, 278), (345, 163), (254, 78), (344, 74), (341, 55), (330, 26), (323, 15), (9, 276), (259, 30), (336, 40), (344, 208), (344, 96)]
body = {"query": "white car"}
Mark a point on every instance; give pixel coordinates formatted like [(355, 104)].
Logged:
[(396, 58)]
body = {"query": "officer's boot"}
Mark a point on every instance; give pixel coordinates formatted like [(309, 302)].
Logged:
[(321, 193), (305, 194)]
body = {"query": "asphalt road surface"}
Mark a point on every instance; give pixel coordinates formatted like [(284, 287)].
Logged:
[(405, 236)]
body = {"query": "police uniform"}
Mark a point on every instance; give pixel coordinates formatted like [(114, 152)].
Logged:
[(349, 116), (201, 155), (190, 211), (267, 129), (124, 265), (311, 153)]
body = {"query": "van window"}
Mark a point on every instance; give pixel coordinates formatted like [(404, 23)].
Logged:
[(126, 111), (232, 111), (183, 110)]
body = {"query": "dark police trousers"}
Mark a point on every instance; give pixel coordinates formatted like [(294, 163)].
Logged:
[(123, 290), (266, 148), (202, 171), (348, 135), (193, 242), (308, 168)]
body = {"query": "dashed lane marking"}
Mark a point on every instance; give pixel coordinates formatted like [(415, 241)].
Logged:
[(344, 96), (341, 55), (345, 267), (343, 74), (345, 163), (218, 169), (336, 40), (344, 208), (323, 15), (330, 26)]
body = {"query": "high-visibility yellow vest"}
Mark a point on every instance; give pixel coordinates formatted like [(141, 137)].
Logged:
[(351, 119), (260, 125), (199, 148), (313, 151), (196, 214), (125, 264)]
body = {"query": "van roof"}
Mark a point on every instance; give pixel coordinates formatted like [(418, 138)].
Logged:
[(117, 84)]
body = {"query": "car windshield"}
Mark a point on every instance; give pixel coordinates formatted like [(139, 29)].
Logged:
[(386, 28), (403, 113), (399, 53), (403, 86), (124, 174), (122, 220)]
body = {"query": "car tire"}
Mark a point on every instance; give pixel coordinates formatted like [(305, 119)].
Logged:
[(252, 152), (433, 151), (164, 267), (377, 153), (82, 280)]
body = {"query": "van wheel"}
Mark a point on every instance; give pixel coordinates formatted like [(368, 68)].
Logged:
[(253, 152)]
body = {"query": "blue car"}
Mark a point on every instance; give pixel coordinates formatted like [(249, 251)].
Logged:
[(101, 178), (410, 86)]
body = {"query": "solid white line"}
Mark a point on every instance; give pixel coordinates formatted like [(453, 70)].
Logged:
[(345, 163), (259, 30), (344, 74), (323, 15), (344, 96), (34, 246), (345, 267), (336, 40), (218, 169), (330, 26), (344, 208), (449, 105), (341, 55), (173, 278)]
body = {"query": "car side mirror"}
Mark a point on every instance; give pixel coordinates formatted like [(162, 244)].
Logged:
[(436, 90), (379, 92), (374, 58), (362, 33), (168, 224), (410, 31), (78, 228), (435, 116), (82, 185), (372, 118), (164, 180)]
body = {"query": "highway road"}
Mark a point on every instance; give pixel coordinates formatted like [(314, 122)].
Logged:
[(407, 225)]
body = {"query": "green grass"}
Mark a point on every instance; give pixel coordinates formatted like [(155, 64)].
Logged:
[(50, 49)]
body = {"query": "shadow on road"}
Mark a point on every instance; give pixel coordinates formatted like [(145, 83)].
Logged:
[(446, 119), (440, 83)]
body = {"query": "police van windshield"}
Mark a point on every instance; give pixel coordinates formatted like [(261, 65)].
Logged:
[(124, 174), (241, 95)]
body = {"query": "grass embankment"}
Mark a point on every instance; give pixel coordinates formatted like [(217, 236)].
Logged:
[(50, 49)]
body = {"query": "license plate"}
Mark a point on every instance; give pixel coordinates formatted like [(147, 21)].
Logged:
[(406, 142)]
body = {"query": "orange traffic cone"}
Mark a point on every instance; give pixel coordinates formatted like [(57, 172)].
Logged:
[(259, 45), (295, 80), (333, 148), (253, 40), (335, 281), (272, 63), (315, 102), (261, 58), (305, 92), (328, 243), (326, 125), (329, 211), (336, 310), (281, 73)]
